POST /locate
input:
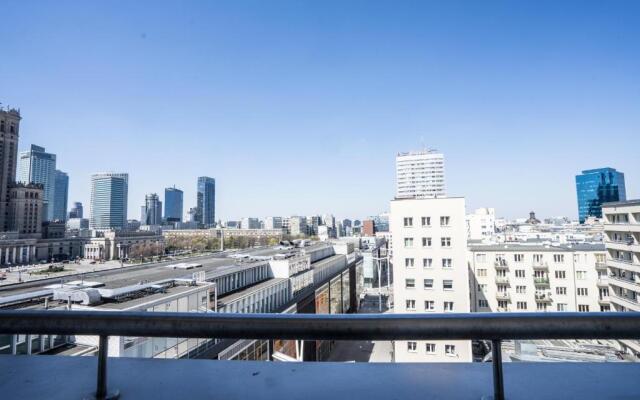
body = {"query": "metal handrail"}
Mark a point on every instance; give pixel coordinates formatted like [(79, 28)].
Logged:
[(488, 326)]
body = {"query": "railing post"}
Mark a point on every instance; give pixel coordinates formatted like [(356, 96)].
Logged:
[(101, 385), (496, 357)]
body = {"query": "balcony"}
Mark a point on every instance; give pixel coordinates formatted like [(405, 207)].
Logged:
[(541, 282), (603, 281), (601, 265), (620, 263), (503, 296), (543, 298), (629, 284), (541, 266), (501, 265), (502, 280), (627, 302), (27, 377), (623, 245), (621, 227)]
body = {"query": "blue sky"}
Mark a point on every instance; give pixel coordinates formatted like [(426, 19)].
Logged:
[(299, 107)]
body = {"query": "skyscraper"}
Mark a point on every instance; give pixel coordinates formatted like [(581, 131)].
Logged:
[(173, 204), (38, 166), (152, 210), (61, 196), (206, 201), (597, 186), (9, 132), (109, 195), (420, 174), (76, 211)]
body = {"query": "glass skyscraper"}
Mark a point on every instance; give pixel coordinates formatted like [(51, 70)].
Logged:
[(38, 166), (206, 201), (109, 195), (61, 196), (597, 186), (173, 204)]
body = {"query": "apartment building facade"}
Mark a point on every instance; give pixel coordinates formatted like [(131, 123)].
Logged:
[(526, 278), (622, 241), (430, 271)]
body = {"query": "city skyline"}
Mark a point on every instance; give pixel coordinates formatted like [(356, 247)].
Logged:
[(515, 122)]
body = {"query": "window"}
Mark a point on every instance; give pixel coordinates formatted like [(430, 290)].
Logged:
[(408, 262), (429, 305), (521, 289), (408, 242), (430, 348), (537, 258), (561, 275), (426, 242), (446, 263), (447, 284), (450, 349), (561, 290), (561, 307), (408, 222), (558, 258), (519, 273), (427, 263), (448, 306), (428, 283), (410, 283), (483, 303), (581, 275), (481, 272), (522, 305), (444, 221), (445, 242), (411, 305), (582, 291), (541, 307), (583, 308), (481, 257), (412, 347), (482, 288), (518, 257), (426, 221)]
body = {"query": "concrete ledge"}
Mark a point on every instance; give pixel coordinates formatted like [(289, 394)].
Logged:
[(56, 377)]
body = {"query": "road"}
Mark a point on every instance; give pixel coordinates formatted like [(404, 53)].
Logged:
[(363, 350)]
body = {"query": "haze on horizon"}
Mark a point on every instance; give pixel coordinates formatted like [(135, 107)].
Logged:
[(300, 108)]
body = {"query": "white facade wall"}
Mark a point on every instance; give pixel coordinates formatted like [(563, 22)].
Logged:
[(622, 241), (481, 224), (444, 280), (420, 175), (521, 278)]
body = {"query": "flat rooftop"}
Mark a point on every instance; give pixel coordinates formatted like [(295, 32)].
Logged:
[(36, 377), (222, 301)]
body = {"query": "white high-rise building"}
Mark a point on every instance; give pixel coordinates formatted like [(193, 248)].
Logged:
[(420, 174), (109, 195), (430, 271), (481, 224)]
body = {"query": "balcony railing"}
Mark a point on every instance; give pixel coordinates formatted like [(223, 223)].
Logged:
[(481, 326), (541, 281)]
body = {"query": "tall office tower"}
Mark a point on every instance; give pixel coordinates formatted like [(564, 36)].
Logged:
[(152, 210), (9, 133), (298, 226), (206, 201), (273, 223), (76, 211), (430, 271), (61, 196), (597, 186), (173, 204), (420, 174), (109, 197), (38, 166)]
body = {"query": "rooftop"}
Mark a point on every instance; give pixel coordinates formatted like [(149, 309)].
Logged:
[(537, 247), (633, 202)]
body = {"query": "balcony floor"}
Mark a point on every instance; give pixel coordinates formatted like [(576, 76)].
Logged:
[(56, 377)]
